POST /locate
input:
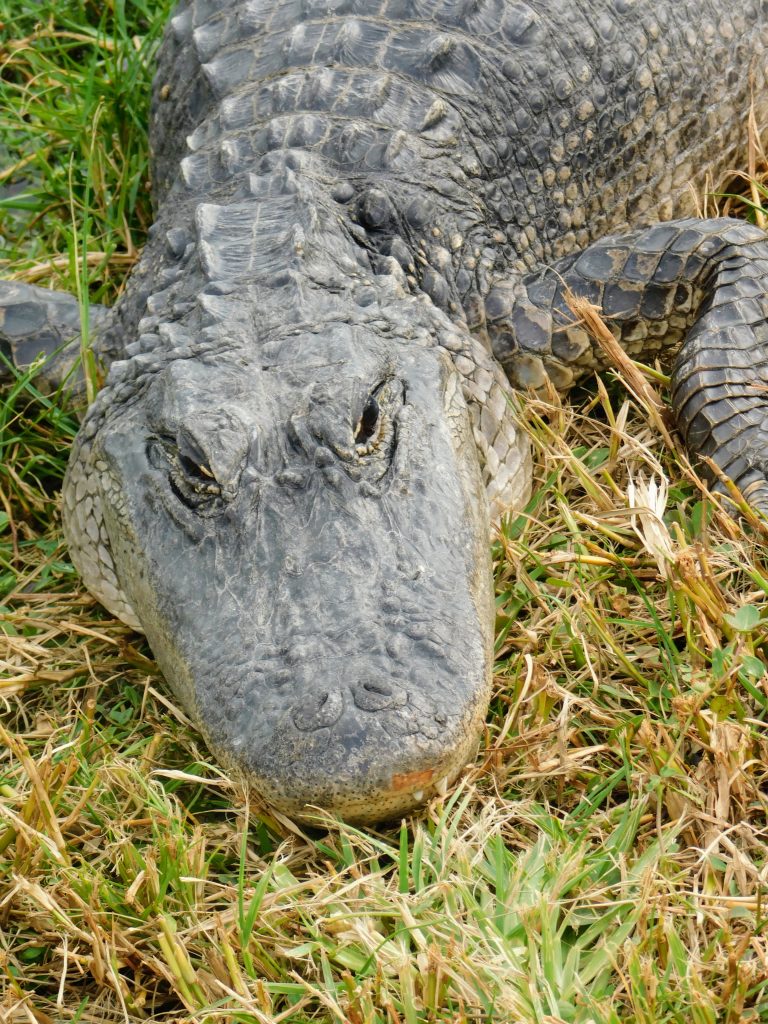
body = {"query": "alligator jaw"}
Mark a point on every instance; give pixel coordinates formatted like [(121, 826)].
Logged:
[(359, 758), (355, 803)]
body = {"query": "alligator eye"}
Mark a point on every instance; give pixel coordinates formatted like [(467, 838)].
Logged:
[(197, 471), (368, 426), (193, 482), (189, 475)]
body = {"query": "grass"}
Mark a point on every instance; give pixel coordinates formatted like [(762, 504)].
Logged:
[(604, 858)]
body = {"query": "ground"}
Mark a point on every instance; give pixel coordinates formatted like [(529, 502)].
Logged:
[(603, 859)]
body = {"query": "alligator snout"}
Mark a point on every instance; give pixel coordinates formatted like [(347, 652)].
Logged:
[(365, 749)]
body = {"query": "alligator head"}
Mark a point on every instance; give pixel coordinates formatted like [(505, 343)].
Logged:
[(302, 534)]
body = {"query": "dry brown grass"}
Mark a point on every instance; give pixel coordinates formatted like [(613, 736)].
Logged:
[(603, 859)]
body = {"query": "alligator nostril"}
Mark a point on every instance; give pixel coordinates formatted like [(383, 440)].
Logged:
[(321, 710), (374, 695), (383, 688)]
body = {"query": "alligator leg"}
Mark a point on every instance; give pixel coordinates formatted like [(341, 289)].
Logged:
[(701, 285), (35, 321)]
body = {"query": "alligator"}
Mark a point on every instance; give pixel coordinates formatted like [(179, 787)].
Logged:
[(369, 214)]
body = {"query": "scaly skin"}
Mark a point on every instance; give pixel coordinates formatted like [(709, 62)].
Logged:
[(288, 477)]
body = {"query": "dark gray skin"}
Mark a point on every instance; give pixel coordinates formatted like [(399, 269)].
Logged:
[(288, 479)]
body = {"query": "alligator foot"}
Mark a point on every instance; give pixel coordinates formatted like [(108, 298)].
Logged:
[(36, 322), (697, 285)]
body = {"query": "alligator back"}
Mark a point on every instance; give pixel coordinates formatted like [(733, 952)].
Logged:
[(552, 124)]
